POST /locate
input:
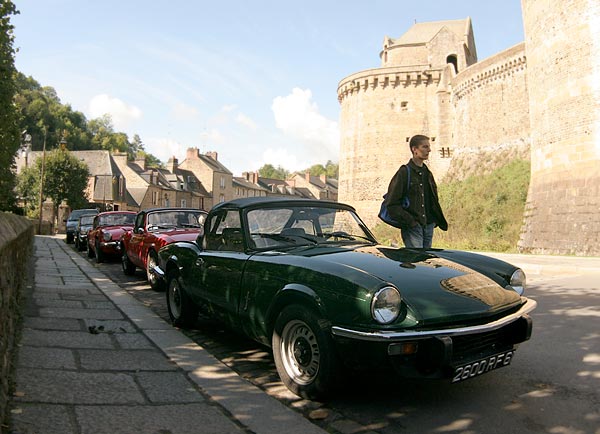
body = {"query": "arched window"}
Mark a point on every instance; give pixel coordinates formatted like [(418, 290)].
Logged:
[(453, 60)]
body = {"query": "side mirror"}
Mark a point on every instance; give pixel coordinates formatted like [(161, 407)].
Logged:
[(200, 239), (139, 231)]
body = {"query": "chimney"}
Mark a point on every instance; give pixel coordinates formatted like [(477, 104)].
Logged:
[(246, 176), (323, 178), (192, 154), (307, 176), (255, 177), (213, 155), (140, 161), (172, 164)]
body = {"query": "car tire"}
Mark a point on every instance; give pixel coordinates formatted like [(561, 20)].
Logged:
[(99, 253), (155, 283), (69, 238), (76, 244), (183, 312), (126, 264), (90, 252), (304, 353)]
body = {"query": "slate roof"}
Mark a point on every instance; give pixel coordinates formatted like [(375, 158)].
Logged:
[(421, 33)]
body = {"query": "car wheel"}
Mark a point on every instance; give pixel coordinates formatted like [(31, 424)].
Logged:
[(126, 264), (182, 310), (99, 254), (304, 354), (69, 238), (90, 252), (77, 244), (153, 280)]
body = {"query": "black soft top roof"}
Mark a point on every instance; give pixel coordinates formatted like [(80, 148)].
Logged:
[(251, 202)]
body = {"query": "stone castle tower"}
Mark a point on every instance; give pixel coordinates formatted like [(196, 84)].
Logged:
[(562, 213), (382, 108), (539, 99)]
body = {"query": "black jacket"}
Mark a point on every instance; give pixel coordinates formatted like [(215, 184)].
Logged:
[(415, 213)]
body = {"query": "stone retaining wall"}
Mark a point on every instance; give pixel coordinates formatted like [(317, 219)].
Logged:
[(16, 245)]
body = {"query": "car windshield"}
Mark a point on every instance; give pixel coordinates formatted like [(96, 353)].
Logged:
[(175, 219), (294, 225), (116, 219), (86, 220)]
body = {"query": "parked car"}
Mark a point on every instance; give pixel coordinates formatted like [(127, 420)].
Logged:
[(308, 279), (104, 239), (73, 219), (84, 224), (153, 229)]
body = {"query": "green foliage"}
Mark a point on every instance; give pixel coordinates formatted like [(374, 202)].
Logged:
[(330, 170), (65, 178), (484, 212), (9, 125), (269, 171)]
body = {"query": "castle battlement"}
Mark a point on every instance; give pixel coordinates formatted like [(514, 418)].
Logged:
[(497, 67), (403, 76)]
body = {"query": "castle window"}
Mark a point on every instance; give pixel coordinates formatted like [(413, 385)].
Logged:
[(404, 105), (445, 152), (452, 59)]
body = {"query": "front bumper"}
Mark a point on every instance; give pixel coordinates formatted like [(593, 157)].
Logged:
[(433, 353), (111, 247)]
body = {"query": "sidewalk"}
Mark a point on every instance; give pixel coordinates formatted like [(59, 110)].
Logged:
[(95, 360)]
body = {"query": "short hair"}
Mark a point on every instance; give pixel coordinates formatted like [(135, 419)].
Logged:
[(415, 140)]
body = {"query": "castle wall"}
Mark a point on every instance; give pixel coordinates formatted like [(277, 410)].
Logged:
[(562, 214), (491, 103)]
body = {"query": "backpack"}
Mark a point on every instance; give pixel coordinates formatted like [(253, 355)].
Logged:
[(404, 202)]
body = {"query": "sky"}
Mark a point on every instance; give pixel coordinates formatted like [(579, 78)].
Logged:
[(253, 80)]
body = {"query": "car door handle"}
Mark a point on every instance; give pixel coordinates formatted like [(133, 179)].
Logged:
[(199, 262)]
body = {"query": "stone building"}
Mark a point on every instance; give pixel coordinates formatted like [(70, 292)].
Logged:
[(214, 176), (538, 99)]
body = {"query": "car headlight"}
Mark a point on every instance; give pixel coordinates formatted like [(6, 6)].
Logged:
[(518, 281), (385, 306), (106, 236)]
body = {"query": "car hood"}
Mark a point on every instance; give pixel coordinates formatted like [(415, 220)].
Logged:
[(437, 289)]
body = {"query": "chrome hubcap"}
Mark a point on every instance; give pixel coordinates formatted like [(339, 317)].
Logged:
[(300, 352)]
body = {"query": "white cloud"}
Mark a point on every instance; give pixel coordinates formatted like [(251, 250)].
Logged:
[(164, 148), (246, 121), (122, 114), (298, 117), (280, 157)]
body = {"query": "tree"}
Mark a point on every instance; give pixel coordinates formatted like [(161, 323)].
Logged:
[(65, 178), (135, 146), (9, 120), (269, 171)]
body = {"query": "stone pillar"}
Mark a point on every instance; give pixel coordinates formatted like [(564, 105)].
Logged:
[(63, 214), (562, 214)]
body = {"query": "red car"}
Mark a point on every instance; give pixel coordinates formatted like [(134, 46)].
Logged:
[(153, 229), (104, 239)]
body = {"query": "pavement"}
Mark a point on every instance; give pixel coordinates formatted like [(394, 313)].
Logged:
[(93, 359)]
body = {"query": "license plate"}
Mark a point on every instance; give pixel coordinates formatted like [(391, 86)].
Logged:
[(482, 366)]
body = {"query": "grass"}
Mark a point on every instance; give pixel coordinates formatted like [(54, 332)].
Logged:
[(484, 212)]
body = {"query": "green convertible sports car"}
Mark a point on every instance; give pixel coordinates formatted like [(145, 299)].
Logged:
[(308, 279)]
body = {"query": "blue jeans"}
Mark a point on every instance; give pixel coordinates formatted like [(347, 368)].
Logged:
[(418, 237)]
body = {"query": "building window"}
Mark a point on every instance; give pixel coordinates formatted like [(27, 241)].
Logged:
[(222, 182), (222, 198), (183, 203), (452, 59), (404, 105), (154, 198), (445, 152)]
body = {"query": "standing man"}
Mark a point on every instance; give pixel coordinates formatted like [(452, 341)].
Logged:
[(423, 212)]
